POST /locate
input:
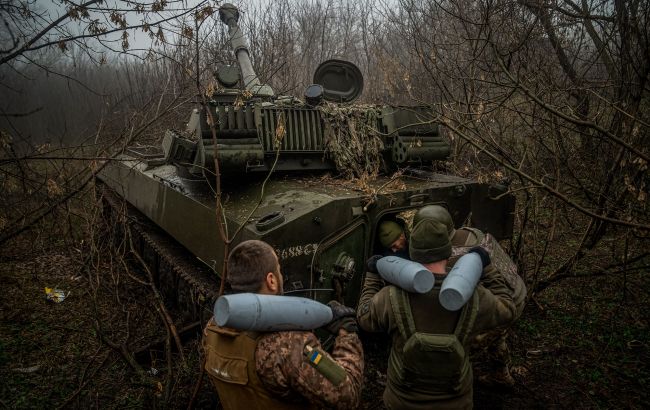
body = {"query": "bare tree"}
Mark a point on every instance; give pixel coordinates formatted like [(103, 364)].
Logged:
[(552, 90)]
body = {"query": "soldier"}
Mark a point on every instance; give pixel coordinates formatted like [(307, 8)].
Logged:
[(491, 345), (272, 370), (392, 237), (428, 366)]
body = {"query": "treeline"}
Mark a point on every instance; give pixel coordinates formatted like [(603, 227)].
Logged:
[(549, 97), (64, 99)]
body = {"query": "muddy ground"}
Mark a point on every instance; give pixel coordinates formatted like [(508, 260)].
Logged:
[(582, 343)]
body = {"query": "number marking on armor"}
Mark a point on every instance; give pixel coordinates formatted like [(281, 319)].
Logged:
[(296, 251)]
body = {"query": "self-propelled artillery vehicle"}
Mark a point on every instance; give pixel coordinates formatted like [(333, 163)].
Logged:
[(322, 227)]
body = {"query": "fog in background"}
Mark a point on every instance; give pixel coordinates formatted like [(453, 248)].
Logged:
[(64, 93)]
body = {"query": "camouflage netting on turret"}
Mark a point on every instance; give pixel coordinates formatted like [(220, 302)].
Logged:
[(352, 140)]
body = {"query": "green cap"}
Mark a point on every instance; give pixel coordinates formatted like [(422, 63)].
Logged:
[(388, 233), (437, 213), (429, 242)]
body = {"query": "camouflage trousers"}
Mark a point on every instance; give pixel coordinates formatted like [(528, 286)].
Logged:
[(491, 357)]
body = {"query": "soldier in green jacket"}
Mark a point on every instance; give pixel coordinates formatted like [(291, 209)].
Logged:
[(491, 346), (428, 365), (280, 370)]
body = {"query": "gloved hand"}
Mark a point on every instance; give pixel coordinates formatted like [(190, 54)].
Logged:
[(371, 263), (485, 256), (343, 317)]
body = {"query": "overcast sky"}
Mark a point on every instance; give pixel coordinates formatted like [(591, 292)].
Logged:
[(138, 39)]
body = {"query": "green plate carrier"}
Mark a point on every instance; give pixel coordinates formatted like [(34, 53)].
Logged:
[(432, 362)]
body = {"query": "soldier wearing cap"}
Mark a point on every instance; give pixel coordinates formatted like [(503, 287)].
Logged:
[(274, 370), (491, 345), (392, 237), (423, 371)]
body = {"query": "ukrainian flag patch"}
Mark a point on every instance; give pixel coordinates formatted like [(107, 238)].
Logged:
[(315, 357)]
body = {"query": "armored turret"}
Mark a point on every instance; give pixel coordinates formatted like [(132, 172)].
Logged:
[(244, 136)]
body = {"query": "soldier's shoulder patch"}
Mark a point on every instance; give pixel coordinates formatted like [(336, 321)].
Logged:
[(325, 365)]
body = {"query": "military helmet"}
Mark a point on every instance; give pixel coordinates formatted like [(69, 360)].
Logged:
[(436, 213)]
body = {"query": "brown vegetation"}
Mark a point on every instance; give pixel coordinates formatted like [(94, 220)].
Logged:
[(549, 97)]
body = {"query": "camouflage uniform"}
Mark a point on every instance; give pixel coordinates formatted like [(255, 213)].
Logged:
[(492, 346), (376, 313), (282, 376), (466, 238)]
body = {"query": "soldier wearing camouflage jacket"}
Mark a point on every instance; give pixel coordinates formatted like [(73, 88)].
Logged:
[(380, 311), (272, 370), (465, 238)]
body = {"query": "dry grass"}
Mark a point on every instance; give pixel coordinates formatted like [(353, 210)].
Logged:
[(582, 343), (51, 354)]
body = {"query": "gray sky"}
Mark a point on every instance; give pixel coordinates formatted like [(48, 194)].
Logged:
[(50, 10)]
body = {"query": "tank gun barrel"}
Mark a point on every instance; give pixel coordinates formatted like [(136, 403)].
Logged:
[(229, 15)]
